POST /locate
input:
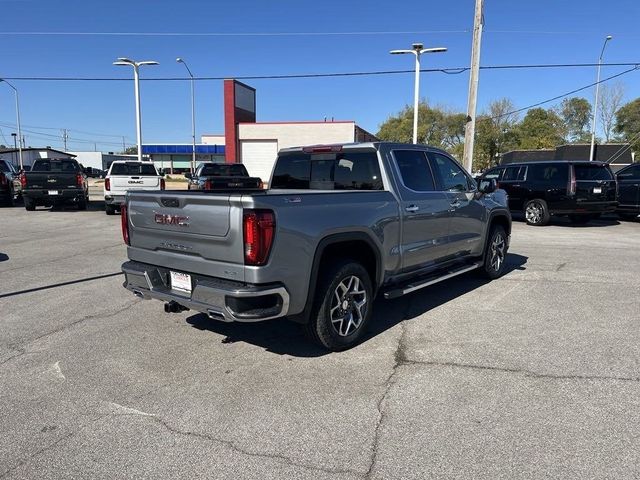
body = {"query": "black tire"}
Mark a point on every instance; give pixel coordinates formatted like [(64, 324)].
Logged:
[(580, 219), (536, 212), (82, 204), (29, 204), (336, 335), (109, 209), (495, 254), (628, 216)]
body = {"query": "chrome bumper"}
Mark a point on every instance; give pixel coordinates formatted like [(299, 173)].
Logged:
[(220, 299)]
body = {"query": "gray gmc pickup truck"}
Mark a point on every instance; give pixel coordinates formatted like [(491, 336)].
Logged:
[(339, 225)]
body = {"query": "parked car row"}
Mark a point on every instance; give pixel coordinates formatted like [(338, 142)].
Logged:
[(579, 190)]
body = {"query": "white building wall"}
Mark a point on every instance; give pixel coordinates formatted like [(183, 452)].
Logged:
[(212, 139), (89, 159), (28, 156), (298, 134)]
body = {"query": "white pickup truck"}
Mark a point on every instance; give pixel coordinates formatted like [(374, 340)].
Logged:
[(124, 176)]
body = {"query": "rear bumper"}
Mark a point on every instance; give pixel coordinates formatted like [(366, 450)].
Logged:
[(62, 196), (220, 299), (586, 208)]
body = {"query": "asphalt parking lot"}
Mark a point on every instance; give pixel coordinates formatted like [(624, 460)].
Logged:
[(536, 374)]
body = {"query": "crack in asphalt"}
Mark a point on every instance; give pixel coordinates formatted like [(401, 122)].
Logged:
[(36, 453), (524, 372), (232, 445), (399, 357), (22, 351)]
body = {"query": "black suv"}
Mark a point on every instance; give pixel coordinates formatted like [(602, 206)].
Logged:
[(580, 190), (629, 191)]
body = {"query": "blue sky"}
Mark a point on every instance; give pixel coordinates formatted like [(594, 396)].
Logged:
[(516, 32)]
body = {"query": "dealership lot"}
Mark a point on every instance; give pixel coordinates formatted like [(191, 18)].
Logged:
[(537, 373)]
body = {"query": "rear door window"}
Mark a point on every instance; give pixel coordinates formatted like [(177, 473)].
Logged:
[(131, 169), (328, 171), (592, 172), (494, 173), (549, 174), (415, 170)]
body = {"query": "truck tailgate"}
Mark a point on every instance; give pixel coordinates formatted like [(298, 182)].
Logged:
[(199, 233), (121, 184), (51, 180)]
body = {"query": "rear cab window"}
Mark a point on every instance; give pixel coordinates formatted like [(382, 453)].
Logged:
[(54, 165), (343, 170), (133, 169), (415, 171), (224, 170)]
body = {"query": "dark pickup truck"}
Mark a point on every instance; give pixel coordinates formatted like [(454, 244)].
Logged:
[(53, 181), (222, 176)]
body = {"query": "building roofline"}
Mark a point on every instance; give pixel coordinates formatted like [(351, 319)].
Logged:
[(297, 123), (31, 149)]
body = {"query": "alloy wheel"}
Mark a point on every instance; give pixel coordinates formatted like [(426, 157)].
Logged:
[(497, 252), (348, 306), (534, 212)]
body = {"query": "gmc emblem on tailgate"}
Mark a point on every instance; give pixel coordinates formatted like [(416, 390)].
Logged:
[(164, 219)]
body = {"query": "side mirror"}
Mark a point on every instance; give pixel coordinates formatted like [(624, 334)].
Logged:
[(487, 185), (188, 175)]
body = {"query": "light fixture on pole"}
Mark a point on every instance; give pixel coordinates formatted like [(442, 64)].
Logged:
[(193, 115), (20, 140), (417, 49), (136, 81), (595, 101)]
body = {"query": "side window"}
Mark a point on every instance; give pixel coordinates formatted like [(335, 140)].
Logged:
[(632, 173), (549, 174), (452, 177), (510, 174), (494, 173), (522, 175), (414, 170)]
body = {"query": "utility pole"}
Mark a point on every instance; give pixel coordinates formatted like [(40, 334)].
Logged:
[(470, 127), (65, 136), (124, 147)]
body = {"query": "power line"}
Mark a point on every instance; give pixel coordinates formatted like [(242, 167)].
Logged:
[(449, 70), (557, 97), (622, 150), (231, 34)]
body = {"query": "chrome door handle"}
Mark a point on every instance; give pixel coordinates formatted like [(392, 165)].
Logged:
[(412, 208)]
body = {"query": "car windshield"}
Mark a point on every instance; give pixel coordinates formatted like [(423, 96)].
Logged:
[(223, 170), (593, 172), (53, 165), (4, 167), (133, 169)]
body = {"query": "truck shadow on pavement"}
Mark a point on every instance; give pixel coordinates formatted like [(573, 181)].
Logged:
[(3, 257), (286, 338), (565, 222)]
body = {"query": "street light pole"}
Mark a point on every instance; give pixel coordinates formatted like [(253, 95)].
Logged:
[(136, 81), (15, 91), (595, 102), (193, 115), (417, 49)]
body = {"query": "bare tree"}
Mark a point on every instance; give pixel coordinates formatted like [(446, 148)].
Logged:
[(610, 101)]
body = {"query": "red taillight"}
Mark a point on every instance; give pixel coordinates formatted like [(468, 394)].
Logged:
[(3, 179), (124, 222), (322, 149), (162, 184), (107, 184), (23, 180), (79, 179), (259, 229), (207, 184), (572, 181)]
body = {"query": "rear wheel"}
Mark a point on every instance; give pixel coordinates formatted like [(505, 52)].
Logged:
[(536, 212), (342, 306), (110, 209), (495, 254), (29, 204), (82, 204), (628, 216)]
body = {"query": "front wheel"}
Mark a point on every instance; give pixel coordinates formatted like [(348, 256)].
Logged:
[(29, 204), (495, 254), (110, 209), (536, 212), (342, 307)]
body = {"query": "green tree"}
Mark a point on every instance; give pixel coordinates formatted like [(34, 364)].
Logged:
[(576, 113), (628, 123), (131, 151), (436, 126), (540, 128), (495, 133)]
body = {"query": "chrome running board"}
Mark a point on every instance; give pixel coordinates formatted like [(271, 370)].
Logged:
[(435, 278)]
